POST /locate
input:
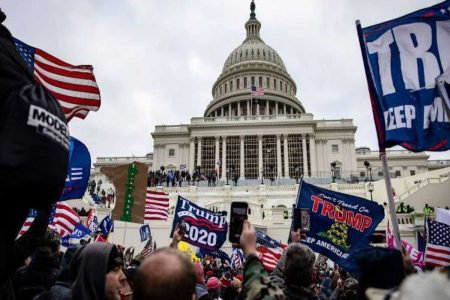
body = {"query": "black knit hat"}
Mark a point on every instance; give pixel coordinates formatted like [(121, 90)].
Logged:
[(2, 16), (379, 268)]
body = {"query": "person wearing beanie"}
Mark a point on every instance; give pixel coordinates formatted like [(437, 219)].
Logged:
[(213, 286), (43, 270), (380, 268), (100, 275)]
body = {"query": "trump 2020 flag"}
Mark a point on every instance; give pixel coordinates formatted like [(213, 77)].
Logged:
[(145, 232), (407, 62), (204, 228), (340, 224), (78, 171)]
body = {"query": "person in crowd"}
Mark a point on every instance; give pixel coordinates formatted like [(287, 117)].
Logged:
[(428, 209), (100, 274), (165, 274), (201, 291), (257, 285), (213, 286), (62, 289), (43, 270), (381, 268)]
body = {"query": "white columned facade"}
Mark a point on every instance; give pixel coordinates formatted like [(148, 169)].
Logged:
[(313, 155), (248, 108), (305, 156), (267, 107), (199, 151), (238, 108), (276, 107), (242, 168), (216, 157), (191, 153), (286, 158), (224, 157), (260, 156), (279, 156), (229, 110)]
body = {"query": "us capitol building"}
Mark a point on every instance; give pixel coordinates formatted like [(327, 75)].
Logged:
[(267, 141)]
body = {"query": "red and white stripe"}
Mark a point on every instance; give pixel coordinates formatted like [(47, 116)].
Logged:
[(65, 219), (74, 87), (437, 256), (26, 225), (156, 205), (269, 257)]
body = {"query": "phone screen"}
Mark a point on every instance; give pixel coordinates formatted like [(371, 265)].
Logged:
[(302, 219), (237, 218)]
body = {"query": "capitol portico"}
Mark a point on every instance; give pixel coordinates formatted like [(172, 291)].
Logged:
[(261, 136)]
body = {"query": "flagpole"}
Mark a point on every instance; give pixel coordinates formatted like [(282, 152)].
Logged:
[(387, 178), (392, 211)]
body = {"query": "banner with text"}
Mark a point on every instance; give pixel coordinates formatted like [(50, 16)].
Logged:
[(340, 224), (204, 228), (407, 63)]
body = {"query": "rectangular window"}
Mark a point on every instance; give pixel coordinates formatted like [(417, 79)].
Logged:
[(245, 82), (335, 148), (225, 87), (412, 172), (231, 86), (398, 173), (267, 83), (171, 152), (253, 81), (238, 84), (274, 84), (260, 81), (251, 157)]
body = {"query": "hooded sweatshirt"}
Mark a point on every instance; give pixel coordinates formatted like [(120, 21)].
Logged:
[(92, 260)]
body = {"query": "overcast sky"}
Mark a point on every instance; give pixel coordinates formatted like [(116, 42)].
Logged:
[(156, 61)]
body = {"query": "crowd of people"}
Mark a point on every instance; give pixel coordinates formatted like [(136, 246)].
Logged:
[(101, 271), (183, 177)]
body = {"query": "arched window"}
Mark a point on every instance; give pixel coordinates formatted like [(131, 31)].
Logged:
[(274, 84), (253, 81), (225, 87), (260, 81), (285, 87), (221, 90), (245, 82), (267, 82), (238, 86), (231, 85), (281, 86)]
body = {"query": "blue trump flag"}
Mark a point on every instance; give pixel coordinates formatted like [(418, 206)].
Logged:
[(78, 233), (340, 224), (407, 62), (106, 226), (204, 228), (78, 171), (145, 232)]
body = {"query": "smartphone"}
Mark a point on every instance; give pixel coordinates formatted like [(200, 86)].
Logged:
[(302, 220), (237, 217)]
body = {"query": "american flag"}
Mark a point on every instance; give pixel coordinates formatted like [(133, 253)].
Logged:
[(65, 219), (270, 250), (257, 91), (29, 220), (437, 251), (237, 259), (156, 205), (74, 87), (148, 248)]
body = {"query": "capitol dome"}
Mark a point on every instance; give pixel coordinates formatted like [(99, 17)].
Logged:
[(254, 64)]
